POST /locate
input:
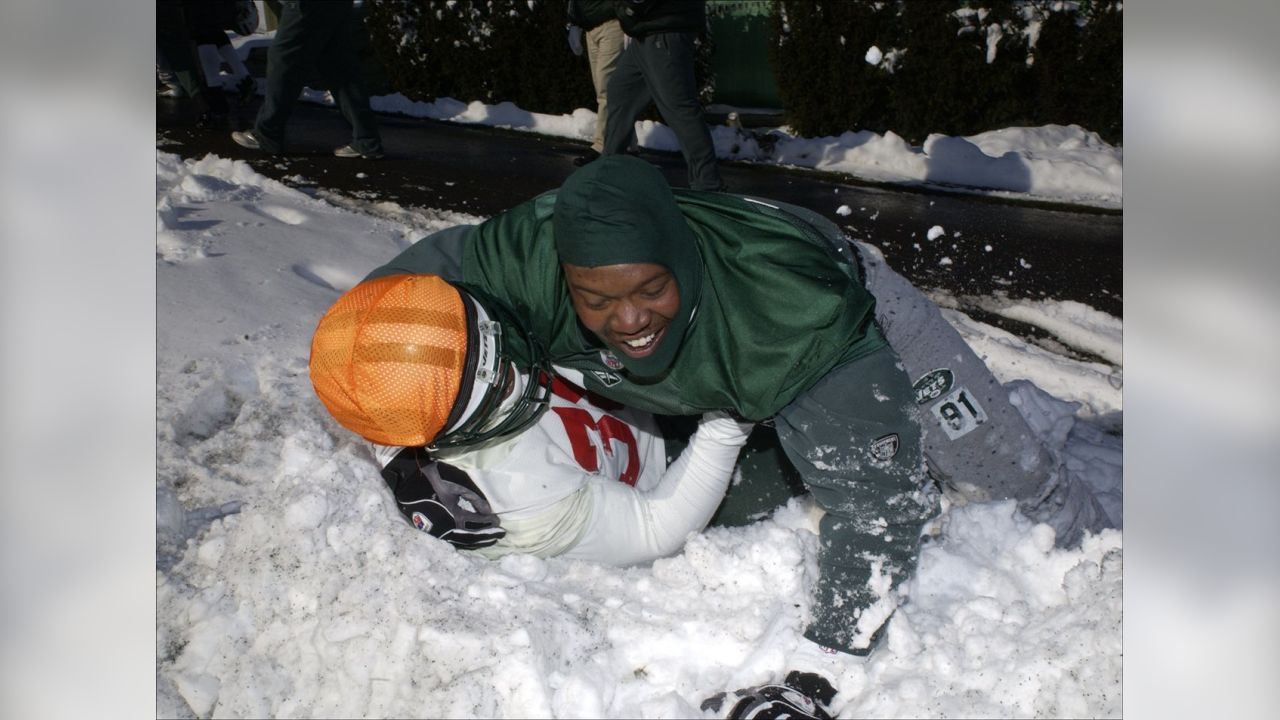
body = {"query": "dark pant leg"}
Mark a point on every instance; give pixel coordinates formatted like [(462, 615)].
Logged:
[(667, 61), (302, 35), (974, 437), (976, 442), (173, 40), (855, 439), (340, 66), (628, 95)]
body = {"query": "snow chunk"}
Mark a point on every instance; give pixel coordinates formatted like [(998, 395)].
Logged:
[(307, 512)]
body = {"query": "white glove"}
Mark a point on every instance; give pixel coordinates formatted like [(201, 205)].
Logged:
[(575, 39)]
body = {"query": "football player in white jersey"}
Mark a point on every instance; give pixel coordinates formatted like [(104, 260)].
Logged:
[(499, 457)]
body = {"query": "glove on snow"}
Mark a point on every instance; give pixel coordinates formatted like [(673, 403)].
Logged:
[(803, 696), (441, 500)]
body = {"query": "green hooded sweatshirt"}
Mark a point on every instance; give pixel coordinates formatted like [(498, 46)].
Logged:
[(775, 305)]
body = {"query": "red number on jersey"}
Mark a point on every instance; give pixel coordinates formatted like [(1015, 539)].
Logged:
[(612, 430)]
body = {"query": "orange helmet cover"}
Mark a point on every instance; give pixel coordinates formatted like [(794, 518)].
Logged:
[(387, 358)]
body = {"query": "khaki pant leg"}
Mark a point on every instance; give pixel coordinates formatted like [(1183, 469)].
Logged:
[(604, 45)]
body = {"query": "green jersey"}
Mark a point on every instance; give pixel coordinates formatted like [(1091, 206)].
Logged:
[(781, 302)]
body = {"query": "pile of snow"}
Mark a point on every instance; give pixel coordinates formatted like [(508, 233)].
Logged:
[(1057, 163), (288, 585)]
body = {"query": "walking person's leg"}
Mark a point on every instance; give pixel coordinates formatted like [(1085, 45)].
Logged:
[(340, 65), (297, 45), (628, 95), (604, 46), (667, 60)]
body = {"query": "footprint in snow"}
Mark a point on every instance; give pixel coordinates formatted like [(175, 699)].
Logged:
[(326, 277), (286, 215)]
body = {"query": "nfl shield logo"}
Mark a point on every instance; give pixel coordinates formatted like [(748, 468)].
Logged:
[(883, 449), (610, 360)]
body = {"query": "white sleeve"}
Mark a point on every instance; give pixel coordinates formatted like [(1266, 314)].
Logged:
[(628, 526)]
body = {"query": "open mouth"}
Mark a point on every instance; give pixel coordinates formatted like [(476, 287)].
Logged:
[(641, 346)]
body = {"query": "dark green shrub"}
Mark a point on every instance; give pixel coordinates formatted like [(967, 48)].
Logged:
[(818, 58), (1006, 82), (492, 51), (1056, 66), (938, 86), (487, 50), (1102, 94), (957, 67)]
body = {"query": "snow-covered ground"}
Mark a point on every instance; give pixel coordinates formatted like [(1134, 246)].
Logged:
[(287, 584)]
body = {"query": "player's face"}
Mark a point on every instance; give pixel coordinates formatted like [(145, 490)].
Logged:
[(628, 306)]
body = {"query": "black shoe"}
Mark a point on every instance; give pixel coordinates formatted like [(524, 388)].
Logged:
[(588, 156)]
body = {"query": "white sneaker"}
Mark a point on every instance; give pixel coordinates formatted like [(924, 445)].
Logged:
[(246, 138), (347, 151)]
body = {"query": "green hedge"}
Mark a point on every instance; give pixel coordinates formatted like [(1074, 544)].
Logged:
[(938, 75), (487, 50)]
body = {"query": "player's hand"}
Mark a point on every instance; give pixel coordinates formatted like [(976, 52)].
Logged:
[(442, 500), (802, 696)]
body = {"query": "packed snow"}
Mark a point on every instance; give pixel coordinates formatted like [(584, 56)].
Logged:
[(288, 585)]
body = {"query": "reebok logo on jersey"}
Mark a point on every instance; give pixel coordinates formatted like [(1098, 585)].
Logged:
[(606, 379)]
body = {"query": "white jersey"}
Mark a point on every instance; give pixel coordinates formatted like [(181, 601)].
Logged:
[(590, 480)]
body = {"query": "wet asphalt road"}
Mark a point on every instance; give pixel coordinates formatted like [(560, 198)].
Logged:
[(989, 247)]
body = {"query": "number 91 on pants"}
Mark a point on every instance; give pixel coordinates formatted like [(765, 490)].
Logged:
[(958, 413)]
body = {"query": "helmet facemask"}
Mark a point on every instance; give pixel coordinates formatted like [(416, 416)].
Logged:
[(413, 360), (489, 377)]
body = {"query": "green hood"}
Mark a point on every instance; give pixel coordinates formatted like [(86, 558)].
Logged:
[(619, 210)]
